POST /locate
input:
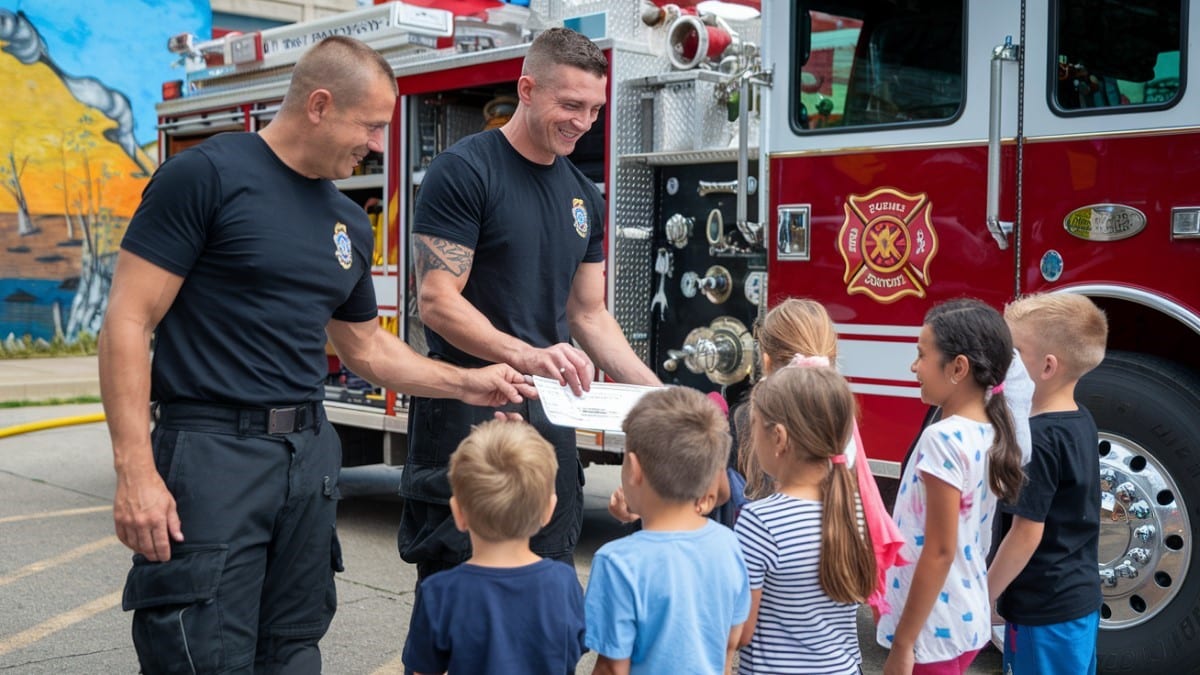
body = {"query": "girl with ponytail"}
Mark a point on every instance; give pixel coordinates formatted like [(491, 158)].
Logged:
[(809, 560), (947, 495)]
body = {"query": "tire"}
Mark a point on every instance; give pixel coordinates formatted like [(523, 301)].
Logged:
[(1148, 412)]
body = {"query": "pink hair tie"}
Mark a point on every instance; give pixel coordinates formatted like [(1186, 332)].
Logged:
[(998, 389), (802, 361), (838, 459), (719, 401)]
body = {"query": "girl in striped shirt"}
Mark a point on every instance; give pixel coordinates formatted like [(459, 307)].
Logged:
[(809, 561)]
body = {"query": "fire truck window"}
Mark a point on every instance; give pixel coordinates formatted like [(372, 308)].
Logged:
[(873, 63), (1116, 55)]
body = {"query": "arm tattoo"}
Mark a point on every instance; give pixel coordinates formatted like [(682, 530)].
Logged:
[(432, 253)]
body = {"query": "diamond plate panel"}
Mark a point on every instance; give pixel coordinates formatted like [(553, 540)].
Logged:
[(688, 116), (634, 206)]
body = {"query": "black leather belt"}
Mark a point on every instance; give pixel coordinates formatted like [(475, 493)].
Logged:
[(277, 420)]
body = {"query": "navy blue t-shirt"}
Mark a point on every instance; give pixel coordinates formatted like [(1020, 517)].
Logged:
[(268, 257), (1061, 582), (530, 226), (474, 620)]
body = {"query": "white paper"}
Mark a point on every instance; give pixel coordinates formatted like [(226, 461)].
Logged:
[(603, 407)]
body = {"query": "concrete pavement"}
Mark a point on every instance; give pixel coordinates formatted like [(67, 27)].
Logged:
[(41, 379)]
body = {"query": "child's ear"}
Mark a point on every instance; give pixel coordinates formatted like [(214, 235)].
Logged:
[(1050, 367), (635, 469), (549, 510), (960, 369), (460, 518), (779, 438)]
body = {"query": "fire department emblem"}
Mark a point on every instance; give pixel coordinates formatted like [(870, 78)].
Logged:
[(887, 241), (341, 246), (579, 214)]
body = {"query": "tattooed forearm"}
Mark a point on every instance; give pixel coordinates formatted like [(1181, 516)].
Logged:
[(432, 253)]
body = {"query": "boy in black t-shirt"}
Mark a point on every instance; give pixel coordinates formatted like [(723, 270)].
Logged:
[(1044, 580), (506, 609)]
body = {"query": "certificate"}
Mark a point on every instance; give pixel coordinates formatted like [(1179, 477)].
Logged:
[(602, 407)]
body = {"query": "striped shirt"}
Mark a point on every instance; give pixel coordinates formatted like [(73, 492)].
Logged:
[(800, 629)]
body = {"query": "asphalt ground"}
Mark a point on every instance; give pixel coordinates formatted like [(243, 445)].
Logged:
[(62, 569)]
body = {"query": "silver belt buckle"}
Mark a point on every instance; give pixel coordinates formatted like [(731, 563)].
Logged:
[(282, 421)]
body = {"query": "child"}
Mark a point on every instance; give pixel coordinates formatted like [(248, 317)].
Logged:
[(809, 563), (670, 598), (940, 614), (799, 327), (505, 610), (1046, 564)]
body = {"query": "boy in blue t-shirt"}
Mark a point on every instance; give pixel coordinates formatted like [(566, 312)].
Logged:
[(1043, 580), (672, 597), (506, 610)]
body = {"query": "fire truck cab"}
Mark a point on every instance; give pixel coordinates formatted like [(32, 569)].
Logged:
[(878, 156)]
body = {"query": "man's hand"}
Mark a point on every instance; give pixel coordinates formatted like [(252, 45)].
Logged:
[(144, 514), (563, 362), (495, 386)]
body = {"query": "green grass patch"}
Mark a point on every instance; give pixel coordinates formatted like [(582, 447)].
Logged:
[(50, 401), (26, 347)]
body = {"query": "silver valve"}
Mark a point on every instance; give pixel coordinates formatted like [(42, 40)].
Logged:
[(674, 356), (723, 351), (716, 284), (679, 229)]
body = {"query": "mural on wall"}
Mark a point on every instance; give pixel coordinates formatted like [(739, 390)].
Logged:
[(77, 145)]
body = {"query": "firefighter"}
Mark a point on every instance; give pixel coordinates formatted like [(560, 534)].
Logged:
[(241, 257), (510, 267)]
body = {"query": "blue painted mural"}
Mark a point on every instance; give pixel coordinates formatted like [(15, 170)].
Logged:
[(77, 145)]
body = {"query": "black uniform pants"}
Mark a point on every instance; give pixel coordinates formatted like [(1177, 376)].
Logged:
[(251, 587), (427, 534)]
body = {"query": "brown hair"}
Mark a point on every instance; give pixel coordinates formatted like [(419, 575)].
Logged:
[(1067, 325), (975, 330), (794, 326), (816, 407), (502, 476), (340, 65), (681, 441), (563, 47)]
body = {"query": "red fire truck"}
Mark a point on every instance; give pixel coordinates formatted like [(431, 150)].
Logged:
[(878, 156)]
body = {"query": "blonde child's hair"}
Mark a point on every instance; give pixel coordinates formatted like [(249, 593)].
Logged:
[(1069, 326), (502, 476), (794, 326), (680, 439), (797, 326), (816, 407)]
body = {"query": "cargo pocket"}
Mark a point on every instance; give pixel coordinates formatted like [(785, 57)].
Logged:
[(176, 619)]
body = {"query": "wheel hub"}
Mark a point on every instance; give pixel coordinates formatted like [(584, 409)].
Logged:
[(1145, 538)]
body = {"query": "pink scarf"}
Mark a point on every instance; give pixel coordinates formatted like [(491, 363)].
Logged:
[(886, 539)]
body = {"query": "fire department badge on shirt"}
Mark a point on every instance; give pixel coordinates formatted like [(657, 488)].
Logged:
[(341, 245), (888, 242), (579, 214)]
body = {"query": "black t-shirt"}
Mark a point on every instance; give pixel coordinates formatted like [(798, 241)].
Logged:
[(1061, 582), (530, 225), (268, 257)]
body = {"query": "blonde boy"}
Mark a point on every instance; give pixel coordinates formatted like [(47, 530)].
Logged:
[(1043, 578), (670, 598), (506, 610)]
